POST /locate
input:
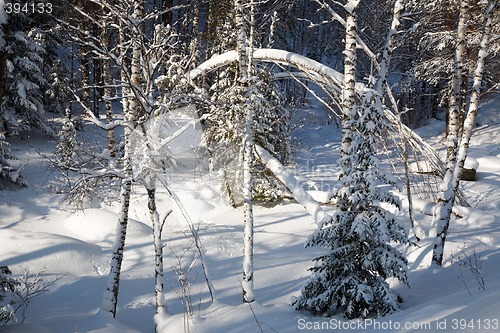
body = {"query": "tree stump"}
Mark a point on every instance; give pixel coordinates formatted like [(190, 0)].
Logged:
[(469, 171), (468, 174)]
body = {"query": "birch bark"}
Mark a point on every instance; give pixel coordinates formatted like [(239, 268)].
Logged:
[(131, 113), (348, 87), (248, 232)]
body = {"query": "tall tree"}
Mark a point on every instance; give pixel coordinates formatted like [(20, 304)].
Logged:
[(243, 80), (348, 88), (22, 106), (132, 115), (351, 277)]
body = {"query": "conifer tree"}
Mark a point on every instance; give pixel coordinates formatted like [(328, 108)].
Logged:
[(351, 277), (7, 287), (22, 105), (6, 170), (65, 149)]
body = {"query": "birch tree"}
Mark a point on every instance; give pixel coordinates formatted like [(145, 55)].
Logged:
[(248, 234), (349, 85), (107, 82), (136, 104), (451, 182)]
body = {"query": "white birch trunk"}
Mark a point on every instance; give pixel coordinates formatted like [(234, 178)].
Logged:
[(248, 233), (272, 29), (454, 103), (348, 89), (349, 85), (123, 75), (380, 86), (84, 71), (241, 47), (387, 52), (442, 211), (251, 39), (135, 107), (158, 248), (110, 295)]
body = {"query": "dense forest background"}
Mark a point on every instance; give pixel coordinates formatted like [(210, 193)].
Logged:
[(47, 56)]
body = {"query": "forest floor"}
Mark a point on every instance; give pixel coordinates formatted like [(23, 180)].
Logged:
[(72, 250)]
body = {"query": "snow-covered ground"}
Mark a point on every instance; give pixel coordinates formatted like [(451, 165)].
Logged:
[(73, 249)]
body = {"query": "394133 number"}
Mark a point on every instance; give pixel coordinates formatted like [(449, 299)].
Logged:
[(28, 8), (475, 324)]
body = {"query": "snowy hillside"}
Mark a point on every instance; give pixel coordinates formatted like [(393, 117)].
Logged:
[(72, 249)]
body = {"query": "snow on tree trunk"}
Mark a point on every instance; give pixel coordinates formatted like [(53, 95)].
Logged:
[(110, 296), (291, 183), (451, 182), (132, 112), (272, 29), (123, 75), (136, 77), (349, 85), (248, 233), (158, 248), (241, 41)]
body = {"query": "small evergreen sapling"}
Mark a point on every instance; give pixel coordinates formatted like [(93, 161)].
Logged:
[(7, 287), (6, 170), (351, 276), (65, 149)]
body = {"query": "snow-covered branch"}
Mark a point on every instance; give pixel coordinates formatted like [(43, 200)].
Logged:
[(96, 121), (291, 183)]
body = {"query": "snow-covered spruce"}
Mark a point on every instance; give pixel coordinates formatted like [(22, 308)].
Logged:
[(351, 277), (65, 149), (22, 107)]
